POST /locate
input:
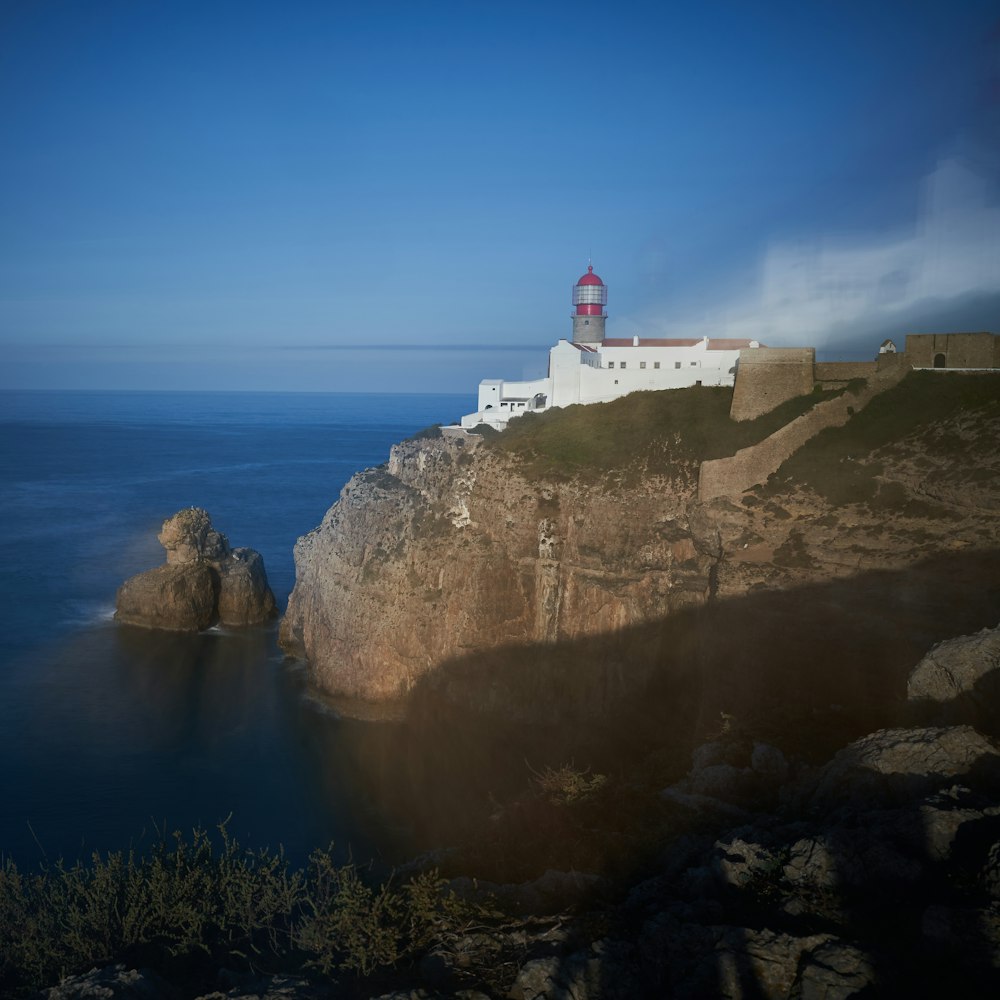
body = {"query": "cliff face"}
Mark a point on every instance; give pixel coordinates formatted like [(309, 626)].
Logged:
[(451, 549), (459, 547)]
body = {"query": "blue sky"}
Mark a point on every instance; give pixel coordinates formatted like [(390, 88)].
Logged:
[(241, 195)]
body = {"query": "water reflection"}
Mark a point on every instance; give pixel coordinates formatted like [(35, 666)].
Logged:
[(118, 732)]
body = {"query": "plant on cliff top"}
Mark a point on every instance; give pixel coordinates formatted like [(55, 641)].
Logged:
[(425, 434), (567, 784)]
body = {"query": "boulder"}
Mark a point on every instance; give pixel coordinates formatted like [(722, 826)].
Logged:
[(188, 537), (244, 596), (734, 773), (204, 581), (959, 681), (114, 982), (899, 765), (729, 961), (178, 597), (835, 969)]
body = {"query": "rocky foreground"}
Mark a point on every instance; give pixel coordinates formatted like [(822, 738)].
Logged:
[(874, 874), (203, 582)]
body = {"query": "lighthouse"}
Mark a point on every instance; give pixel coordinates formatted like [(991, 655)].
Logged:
[(590, 296)]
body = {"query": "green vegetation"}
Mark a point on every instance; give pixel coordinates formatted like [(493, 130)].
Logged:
[(648, 432), (425, 434), (191, 907), (838, 465), (484, 430)]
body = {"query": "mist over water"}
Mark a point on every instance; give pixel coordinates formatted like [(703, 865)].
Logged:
[(109, 734)]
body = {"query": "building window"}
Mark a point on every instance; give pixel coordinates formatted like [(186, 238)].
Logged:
[(622, 365), (656, 364), (616, 381), (694, 364), (677, 364), (611, 364), (642, 364)]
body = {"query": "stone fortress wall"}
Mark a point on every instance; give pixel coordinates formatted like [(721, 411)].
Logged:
[(833, 374), (751, 466), (768, 376), (953, 350)]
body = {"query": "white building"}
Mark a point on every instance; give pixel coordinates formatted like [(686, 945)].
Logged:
[(593, 369)]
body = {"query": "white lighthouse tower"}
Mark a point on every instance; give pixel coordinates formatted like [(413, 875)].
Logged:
[(590, 296)]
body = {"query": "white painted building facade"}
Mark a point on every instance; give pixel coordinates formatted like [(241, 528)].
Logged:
[(599, 372)]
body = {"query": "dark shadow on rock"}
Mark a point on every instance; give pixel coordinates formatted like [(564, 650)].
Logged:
[(868, 895), (807, 669), (958, 683)]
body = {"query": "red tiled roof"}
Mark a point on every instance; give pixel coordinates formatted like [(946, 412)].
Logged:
[(730, 344), (716, 344), (650, 342)]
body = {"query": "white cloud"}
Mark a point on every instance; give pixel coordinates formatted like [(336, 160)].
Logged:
[(809, 293)]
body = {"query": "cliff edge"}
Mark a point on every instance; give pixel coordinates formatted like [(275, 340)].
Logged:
[(586, 522)]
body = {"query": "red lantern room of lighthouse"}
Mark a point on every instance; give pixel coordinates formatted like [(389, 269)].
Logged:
[(590, 296)]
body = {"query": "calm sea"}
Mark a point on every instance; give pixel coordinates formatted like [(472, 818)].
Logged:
[(107, 734)]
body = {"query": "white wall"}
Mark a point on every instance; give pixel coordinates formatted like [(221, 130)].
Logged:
[(593, 376)]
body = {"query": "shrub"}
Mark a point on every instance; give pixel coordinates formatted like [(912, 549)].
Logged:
[(191, 904), (426, 433), (568, 784)]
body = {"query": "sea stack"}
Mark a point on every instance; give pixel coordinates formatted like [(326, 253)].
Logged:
[(203, 582)]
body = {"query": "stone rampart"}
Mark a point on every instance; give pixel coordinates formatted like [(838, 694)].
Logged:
[(839, 372), (953, 350), (751, 466), (767, 376)]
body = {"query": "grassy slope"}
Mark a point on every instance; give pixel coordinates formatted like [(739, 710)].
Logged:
[(651, 432), (838, 462)]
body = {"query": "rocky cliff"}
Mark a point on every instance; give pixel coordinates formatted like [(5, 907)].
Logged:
[(586, 522)]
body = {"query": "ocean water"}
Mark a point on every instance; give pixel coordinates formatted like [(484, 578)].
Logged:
[(110, 736)]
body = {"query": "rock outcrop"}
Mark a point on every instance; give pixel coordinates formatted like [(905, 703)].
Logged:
[(959, 681), (204, 581), (454, 549)]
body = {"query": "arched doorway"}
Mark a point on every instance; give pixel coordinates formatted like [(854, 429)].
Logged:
[(939, 361)]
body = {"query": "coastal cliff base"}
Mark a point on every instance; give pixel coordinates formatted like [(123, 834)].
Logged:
[(581, 531)]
